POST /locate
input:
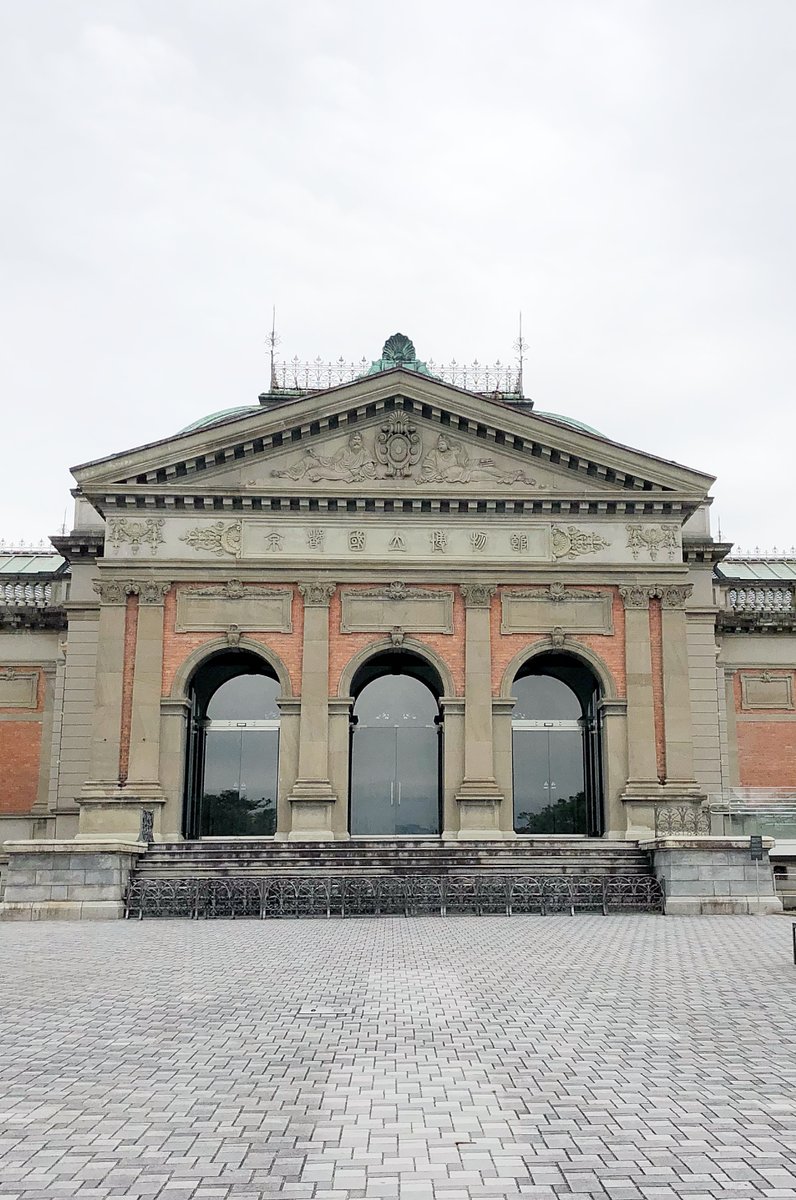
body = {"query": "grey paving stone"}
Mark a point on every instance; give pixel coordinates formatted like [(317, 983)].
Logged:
[(630, 1058)]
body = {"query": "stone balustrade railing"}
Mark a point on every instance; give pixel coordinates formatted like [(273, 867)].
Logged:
[(20, 592), (761, 599)]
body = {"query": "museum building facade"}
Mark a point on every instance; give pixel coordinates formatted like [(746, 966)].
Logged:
[(393, 608)]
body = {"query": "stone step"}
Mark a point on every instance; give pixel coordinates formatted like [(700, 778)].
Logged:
[(381, 857)]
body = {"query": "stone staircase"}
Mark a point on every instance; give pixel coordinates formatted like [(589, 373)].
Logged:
[(400, 856), (391, 877)]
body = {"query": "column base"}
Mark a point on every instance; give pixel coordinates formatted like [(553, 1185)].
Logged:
[(110, 811), (676, 801), (479, 802), (311, 803)]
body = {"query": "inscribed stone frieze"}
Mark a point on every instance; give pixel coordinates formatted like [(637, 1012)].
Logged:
[(396, 538)]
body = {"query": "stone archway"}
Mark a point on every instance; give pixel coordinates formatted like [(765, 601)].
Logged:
[(395, 747)]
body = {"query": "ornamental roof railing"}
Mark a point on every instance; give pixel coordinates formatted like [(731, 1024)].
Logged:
[(293, 375)]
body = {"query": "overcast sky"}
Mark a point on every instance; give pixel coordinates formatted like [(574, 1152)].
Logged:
[(623, 172)]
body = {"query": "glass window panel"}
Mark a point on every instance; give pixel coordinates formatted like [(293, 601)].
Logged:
[(396, 700), (417, 811), (373, 798), (544, 698), (245, 698)]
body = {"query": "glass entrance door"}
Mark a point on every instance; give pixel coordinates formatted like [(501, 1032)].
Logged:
[(549, 785), (395, 760)]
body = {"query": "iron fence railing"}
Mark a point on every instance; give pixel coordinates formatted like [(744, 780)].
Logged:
[(319, 374), (390, 895)]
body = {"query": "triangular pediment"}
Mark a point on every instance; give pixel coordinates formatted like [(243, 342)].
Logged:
[(396, 434)]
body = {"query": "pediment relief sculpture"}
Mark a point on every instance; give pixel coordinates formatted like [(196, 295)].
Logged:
[(397, 450)]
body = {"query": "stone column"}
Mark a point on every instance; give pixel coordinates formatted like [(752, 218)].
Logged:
[(613, 719), (641, 754), (478, 796), (289, 726), (452, 709), (143, 773), (312, 796), (642, 786), (677, 688), (106, 739), (112, 805), (502, 733), (174, 720)]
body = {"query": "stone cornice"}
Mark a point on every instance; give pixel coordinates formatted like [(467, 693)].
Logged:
[(599, 466), (704, 550), (23, 617), (80, 545), (756, 622), (233, 503)]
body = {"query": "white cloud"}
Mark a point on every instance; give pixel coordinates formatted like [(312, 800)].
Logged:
[(622, 171)]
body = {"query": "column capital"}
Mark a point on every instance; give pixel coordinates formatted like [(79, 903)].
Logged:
[(317, 594), (115, 591), (674, 595), (637, 597), (152, 591), (477, 595)]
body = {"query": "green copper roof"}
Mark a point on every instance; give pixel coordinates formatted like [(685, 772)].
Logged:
[(223, 414), (568, 421)]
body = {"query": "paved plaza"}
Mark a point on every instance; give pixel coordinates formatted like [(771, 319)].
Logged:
[(625, 1057)]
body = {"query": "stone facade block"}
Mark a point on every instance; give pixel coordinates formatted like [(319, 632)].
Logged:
[(66, 881)]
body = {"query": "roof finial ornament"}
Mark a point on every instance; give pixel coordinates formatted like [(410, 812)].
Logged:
[(272, 341), (398, 349), (520, 345)]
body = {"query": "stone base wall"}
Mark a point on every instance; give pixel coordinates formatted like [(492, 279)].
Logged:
[(704, 876), (66, 880)]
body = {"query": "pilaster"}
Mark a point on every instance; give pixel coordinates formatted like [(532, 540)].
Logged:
[(312, 797), (144, 765), (677, 687), (478, 797), (112, 802), (641, 758)]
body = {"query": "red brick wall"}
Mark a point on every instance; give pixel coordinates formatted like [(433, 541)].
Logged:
[(345, 646), (766, 748), (609, 648), (20, 753), (178, 646)]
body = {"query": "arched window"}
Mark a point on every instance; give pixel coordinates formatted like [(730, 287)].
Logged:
[(233, 749), (395, 749), (557, 761)]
